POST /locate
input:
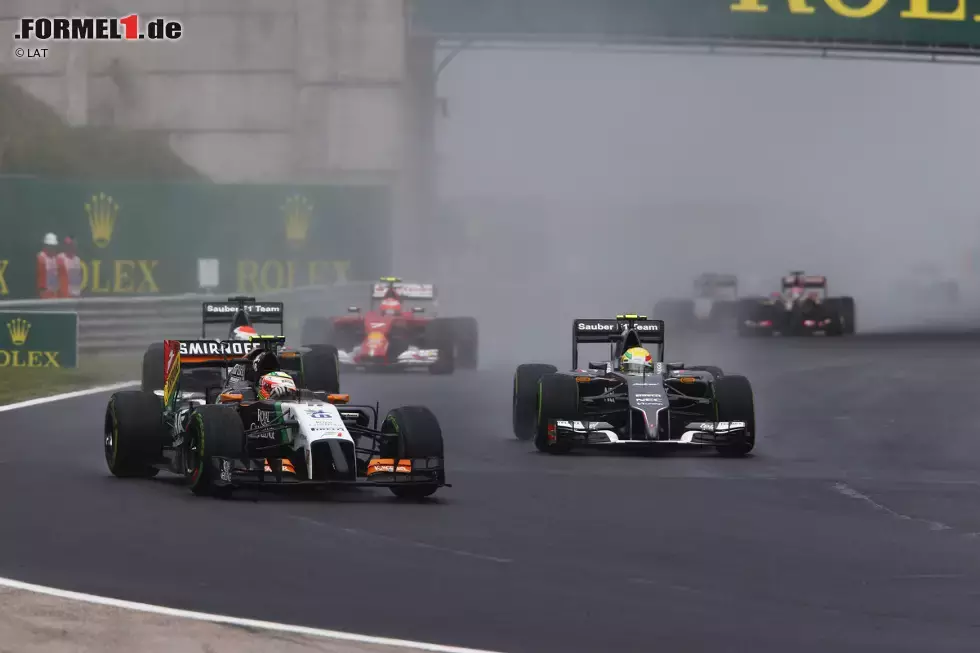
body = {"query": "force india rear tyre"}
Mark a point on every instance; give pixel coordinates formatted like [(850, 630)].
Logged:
[(557, 399), (418, 436), (134, 433), (735, 404), (214, 431), (525, 405)]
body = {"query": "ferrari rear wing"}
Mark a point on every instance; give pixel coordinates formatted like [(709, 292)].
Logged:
[(806, 281), (404, 290), (192, 354)]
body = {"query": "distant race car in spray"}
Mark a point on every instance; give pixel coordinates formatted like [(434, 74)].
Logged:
[(711, 307), (801, 308), (632, 400), (399, 332)]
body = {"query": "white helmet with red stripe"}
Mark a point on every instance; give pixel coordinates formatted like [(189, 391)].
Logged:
[(243, 333)]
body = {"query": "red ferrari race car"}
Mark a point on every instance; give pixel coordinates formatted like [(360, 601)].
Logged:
[(399, 332)]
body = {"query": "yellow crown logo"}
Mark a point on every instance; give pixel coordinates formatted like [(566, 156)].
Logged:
[(18, 328), (102, 212), (299, 214)]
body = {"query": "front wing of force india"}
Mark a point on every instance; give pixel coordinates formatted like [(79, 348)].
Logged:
[(238, 440), (673, 404)]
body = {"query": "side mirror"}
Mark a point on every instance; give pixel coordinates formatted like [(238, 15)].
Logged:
[(598, 366), (418, 309), (353, 309)]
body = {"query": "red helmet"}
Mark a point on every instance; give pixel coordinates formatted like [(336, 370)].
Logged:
[(390, 306)]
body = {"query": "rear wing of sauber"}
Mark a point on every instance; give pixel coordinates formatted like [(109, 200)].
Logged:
[(611, 331), (190, 354), (253, 311)]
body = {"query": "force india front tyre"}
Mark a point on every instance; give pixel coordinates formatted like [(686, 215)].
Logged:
[(735, 402), (525, 405), (213, 431), (417, 435), (557, 400), (134, 434)]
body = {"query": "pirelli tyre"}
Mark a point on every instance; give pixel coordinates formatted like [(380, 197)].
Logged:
[(153, 368), (319, 369), (134, 434), (417, 435), (849, 314), (441, 336), (735, 403), (213, 431), (525, 404), (557, 400), (466, 332), (317, 331)]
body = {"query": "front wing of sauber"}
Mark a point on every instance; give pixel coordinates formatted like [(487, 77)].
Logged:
[(602, 434)]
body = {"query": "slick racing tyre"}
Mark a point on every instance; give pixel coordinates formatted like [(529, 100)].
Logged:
[(467, 336), (849, 315), (525, 406), (418, 436), (214, 431), (440, 335), (557, 399), (134, 433), (317, 331), (733, 395), (319, 369)]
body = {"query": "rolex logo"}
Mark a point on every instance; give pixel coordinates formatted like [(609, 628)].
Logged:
[(299, 213), (18, 329), (102, 212)]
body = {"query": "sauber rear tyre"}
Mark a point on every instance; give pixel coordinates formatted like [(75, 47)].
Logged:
[(525, 405), (557, 399), (320, 369), (214, 431), (735, 404), (153, 368), (418, 436), (134, 433), (316, 331)]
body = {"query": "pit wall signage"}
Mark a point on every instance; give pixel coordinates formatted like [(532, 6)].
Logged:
[(38, 340), (147, 238)]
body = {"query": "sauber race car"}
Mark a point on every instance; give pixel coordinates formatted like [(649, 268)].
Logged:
[(801, 308), (632, 400), (314, 368), (712, 305), (399, 332), (234, 438)]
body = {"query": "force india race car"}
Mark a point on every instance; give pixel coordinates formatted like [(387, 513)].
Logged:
[(671, 404), (711, 307), (398, 333), (218, 442), (802, 308), (314, 368)]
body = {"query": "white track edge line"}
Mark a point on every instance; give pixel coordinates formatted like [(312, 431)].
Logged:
[(67, 395), (233, 621)]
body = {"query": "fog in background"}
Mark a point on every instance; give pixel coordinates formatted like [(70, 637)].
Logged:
[(582, 183)]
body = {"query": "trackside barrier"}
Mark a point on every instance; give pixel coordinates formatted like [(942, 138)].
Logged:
[(130, 324)]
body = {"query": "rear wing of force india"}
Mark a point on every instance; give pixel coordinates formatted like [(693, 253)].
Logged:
[(189, 354), (625, 331), (241, 311)]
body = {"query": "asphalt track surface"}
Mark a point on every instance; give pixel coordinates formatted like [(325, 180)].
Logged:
[(855, 527)]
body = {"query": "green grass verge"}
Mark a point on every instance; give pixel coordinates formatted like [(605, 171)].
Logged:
[(19, 384)]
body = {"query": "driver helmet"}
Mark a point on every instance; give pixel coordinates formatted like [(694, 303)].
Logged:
[(243, 333), (390, 306), (276, 384), (636, 360)]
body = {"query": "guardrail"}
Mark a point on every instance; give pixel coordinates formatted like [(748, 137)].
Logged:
[(130, 324)]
